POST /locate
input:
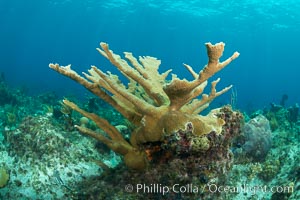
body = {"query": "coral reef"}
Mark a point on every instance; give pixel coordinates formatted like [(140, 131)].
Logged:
[(278, 170), (283, 100), (181, 158), (6, 95), (15, 104), (285, 117), (293, 113), (156, 107), (46, 162), (270, 169), (46, 158)]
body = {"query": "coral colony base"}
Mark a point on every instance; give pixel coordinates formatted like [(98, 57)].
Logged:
[(165, 114)]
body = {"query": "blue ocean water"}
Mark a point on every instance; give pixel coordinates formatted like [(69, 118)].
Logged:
[(266, 33)]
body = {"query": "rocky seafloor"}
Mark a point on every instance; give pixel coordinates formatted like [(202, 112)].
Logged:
[(43, 157)]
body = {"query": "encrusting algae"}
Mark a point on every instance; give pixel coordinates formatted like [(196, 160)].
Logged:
[(157, 108)]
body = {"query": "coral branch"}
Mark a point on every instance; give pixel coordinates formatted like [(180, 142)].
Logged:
[(148, 78), (199, 105), (156, 107), (214, 53), (180, 92), (100, 122), (95, 89)]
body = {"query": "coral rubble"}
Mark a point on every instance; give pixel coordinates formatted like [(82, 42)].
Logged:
[(157, 108), (44, 161)]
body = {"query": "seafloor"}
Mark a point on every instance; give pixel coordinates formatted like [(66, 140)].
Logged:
[(43, 157)]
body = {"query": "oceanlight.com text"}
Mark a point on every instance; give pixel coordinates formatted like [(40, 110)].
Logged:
[(211, 188)]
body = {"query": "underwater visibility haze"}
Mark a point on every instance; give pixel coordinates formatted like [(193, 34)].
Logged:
[(128, 127)]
